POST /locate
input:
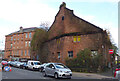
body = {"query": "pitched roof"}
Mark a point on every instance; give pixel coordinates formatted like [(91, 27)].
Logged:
[(24, 30)]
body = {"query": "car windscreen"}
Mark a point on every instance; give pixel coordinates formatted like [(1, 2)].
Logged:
[(60, 66), (36, 63)]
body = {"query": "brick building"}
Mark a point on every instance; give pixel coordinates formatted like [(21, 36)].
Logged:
[(69, 34), (17, 44)]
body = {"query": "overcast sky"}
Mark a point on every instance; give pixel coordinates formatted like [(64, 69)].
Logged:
[(30, 13)]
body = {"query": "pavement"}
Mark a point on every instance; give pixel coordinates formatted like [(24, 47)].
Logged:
[(103, 75)]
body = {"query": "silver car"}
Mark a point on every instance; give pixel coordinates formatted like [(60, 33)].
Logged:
[(58, 70)]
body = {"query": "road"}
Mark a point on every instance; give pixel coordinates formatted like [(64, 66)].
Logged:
[(17, 73)]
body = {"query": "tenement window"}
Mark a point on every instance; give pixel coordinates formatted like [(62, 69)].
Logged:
[(11, 38), (70, 54), (30, 35), (25, 52), (29, 43), (28, 52), (21, 53), (26, 35), (11, 45), (26, 44), (62, 17)]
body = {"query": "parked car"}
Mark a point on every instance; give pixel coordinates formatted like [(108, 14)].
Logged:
[(23, 65), (9, 62), (117, 73), (42, 66), (33, 65), (4, 63), (58, 70), (18, 64), (14, 63)]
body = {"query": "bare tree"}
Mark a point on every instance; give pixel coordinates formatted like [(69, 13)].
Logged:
[(45, 25)]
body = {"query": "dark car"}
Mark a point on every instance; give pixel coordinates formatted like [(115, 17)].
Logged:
[(42, 66)]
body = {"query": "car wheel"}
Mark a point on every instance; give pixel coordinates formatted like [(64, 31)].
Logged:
[(56, 76), (26, 67)]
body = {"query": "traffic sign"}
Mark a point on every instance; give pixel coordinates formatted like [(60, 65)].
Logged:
[(111, 51)]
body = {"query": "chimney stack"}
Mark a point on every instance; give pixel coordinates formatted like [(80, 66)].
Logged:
[(63, 5), (21, 29)]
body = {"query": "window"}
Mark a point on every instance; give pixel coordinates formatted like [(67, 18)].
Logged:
[(50, 66), (26, 35), (70, 54), (94, 53), (29, 43), (75, 39), (32, 63), (11, 38), (58, 41), (10, 52), (28, 52), (30, 35), (26, 44), (58, 55), (62, 17), (78, 38), (14, 37), (17, 52), (25, 52), (11, 45), (21, 53)]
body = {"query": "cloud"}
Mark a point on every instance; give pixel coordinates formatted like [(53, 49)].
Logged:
[(84, 0), (29, 13), (26, 13)]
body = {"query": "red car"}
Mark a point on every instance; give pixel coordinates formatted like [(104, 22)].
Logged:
[(4, 62)]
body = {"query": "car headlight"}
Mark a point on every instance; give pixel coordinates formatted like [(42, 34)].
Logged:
[(59, 70)]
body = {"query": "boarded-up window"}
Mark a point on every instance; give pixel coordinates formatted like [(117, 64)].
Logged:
[(58, 41), (75, 39), (78, 38)]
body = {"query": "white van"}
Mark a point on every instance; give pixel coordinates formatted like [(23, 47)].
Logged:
[(34, 65)]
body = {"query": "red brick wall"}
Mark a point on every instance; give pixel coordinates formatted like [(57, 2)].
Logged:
[(18, 44), (70, 24), (91, 41)]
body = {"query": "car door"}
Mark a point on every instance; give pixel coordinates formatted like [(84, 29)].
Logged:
[(47, 69), (52, 70), (31, 65)]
